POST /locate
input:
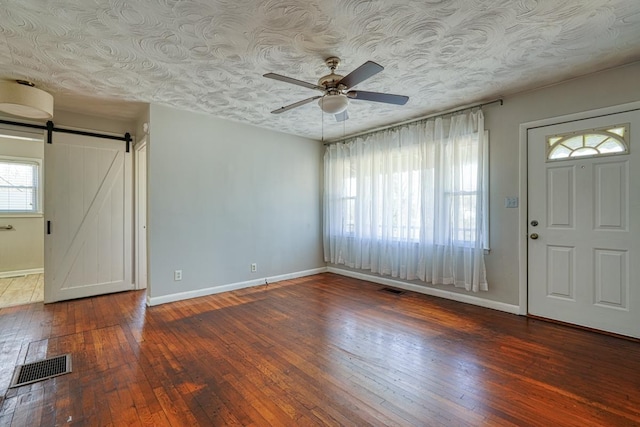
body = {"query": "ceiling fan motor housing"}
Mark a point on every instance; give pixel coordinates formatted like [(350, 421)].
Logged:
[(330, 82)]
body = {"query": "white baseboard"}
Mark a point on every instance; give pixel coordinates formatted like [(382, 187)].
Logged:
[(230, 287), (18, 273), (469, 299)]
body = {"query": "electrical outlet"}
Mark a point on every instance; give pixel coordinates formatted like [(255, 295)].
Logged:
[(177, 275), (254, 267)]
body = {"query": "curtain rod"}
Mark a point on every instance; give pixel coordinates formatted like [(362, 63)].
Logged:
[(419, 119)]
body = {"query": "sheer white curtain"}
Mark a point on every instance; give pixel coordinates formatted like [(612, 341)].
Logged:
[(408, 202)]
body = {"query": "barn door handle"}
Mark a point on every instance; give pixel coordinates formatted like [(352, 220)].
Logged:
[(534, 236)]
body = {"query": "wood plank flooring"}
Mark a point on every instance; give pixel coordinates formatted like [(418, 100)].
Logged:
[(319, 350), (21, 290)]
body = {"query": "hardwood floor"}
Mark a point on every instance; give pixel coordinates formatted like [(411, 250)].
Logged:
[(320, 350), (21, 290)]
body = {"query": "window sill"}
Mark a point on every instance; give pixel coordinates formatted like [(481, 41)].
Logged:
[(21, 215)]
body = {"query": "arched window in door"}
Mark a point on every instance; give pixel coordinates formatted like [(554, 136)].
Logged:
[(589, 143)]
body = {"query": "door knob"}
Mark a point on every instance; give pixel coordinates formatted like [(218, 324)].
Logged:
[(534, 236)]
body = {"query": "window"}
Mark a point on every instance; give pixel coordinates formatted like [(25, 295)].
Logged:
[(349, 205), (19, 185), (394, 211), (589, 143), (467, 190), (400, 197), (411, 201)]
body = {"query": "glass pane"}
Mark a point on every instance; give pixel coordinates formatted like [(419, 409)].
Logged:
[(349, 189), (617, 131), (349, 216), (560, 152), (585, 151), (593, 140), (16, 174), (611, 146), (18, 186), (552, 140), (16, 199), (574, 142)]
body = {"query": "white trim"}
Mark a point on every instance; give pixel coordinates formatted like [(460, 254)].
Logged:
[(522, 228), (485, 193), (20, 273), (20, 133), (139, 182), (522, 222), (21, 215), (151, 301), (464, 298)]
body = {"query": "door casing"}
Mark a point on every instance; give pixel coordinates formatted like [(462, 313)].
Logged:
[(141, 214)]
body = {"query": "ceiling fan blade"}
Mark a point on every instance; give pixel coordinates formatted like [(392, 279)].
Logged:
[(295, 104), (341, 117), (361, 74), (293, 81), (387, 98)]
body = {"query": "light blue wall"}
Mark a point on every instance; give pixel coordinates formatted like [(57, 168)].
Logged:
[(223, 195)]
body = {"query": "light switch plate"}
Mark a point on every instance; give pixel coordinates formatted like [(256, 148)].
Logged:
[(511, 202)]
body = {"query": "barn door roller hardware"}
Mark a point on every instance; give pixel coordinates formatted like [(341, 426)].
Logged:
[(50, 128)]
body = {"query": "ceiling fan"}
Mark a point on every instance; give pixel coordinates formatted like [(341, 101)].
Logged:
[(336, 89)]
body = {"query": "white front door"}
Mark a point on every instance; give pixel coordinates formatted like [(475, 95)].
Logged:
[(584, 223), (87, 217)]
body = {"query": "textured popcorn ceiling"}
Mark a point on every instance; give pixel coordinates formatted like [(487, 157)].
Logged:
[(109, 57)]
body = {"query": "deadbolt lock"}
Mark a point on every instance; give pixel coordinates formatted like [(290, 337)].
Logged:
[(534, 223)]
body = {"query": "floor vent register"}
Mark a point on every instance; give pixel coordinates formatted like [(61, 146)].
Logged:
[(41, 370)]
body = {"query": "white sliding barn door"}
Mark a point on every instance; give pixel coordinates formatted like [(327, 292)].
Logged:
[(584, 226), (87, 217)]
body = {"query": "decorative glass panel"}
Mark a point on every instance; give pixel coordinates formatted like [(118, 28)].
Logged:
[(560, 152), (593, 140), (619, 131), (585, 151), (573, 143), (610, 146), (553, 140), (589, 143)]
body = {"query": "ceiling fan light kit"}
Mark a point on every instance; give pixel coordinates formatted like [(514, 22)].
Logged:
[(21, 98), (336, 89), (333, 104)]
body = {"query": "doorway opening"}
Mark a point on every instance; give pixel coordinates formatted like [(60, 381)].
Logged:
[(21, 216)]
